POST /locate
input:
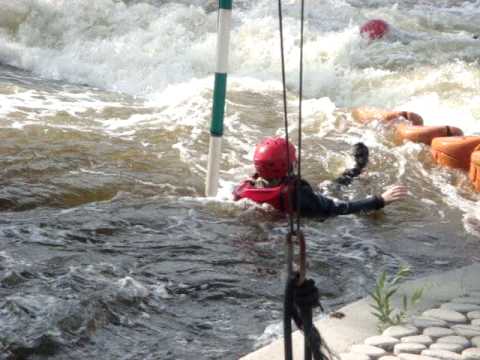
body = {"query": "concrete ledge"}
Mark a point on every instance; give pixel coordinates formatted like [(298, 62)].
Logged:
[(358, 323)]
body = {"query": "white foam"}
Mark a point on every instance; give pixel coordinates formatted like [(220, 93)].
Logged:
[(135, 49), (145, 49), (164, 55)]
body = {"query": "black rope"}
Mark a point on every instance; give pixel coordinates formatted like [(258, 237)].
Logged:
[(285, 111), (300, 99), (307, 306), (300, 299), (289, 292), (299, 302), (288, 314)]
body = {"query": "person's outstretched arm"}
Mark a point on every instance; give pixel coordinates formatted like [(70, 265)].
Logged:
[(316, 205), (360, 155)]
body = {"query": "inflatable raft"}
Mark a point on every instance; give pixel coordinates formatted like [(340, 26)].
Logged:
[(455, 152), (424, 134), (475, 168), (448, 145), (367, 114)]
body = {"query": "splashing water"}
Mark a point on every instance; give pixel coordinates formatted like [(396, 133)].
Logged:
[(110, 249)]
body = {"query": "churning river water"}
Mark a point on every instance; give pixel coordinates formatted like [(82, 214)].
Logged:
[(108, 247)]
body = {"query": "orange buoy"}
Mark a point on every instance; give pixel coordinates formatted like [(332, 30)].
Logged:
[(475, 168), (454, 151), (365, 115), (424, 134), (374, 29)]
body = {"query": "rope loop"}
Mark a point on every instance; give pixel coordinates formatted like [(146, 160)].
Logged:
[(299, 302), (297, 237)]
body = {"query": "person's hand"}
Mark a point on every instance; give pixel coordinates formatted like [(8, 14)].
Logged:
[(395, 193), (360, 154)]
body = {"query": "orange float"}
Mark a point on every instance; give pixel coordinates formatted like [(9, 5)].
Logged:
[(475, 168), (365, 115), (424, 134), (448, 145), (454, 151)]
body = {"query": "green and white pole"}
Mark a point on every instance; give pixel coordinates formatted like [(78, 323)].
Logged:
[(219, 93)]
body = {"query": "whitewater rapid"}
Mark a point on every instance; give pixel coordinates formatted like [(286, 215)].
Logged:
[(105, 108)]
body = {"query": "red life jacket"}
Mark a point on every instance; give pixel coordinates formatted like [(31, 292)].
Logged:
[(276, 196)]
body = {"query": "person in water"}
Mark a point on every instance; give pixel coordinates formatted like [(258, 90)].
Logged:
[(272, 184)]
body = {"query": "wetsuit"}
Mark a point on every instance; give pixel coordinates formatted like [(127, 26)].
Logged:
[(360, 155), (316, 205), (311, 203)]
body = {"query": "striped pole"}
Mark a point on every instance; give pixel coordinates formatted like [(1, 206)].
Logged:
[(219, 92)]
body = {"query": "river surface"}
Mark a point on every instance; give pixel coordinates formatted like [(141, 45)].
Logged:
[(109, 249)]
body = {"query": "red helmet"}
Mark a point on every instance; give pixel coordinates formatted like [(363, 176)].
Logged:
[(271, 160), (375, 29)]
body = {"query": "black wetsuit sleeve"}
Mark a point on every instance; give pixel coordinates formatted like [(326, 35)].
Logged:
[(316, 205), (360, 154)]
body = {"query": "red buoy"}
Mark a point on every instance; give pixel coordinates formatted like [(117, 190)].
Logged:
[(374, 29)]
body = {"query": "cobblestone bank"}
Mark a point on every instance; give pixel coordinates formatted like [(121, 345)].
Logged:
[(449, 332)]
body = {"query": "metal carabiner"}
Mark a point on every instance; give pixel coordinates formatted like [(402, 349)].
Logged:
[(300, 239)]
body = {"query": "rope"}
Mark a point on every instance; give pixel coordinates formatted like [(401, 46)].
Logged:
[(285, 112), (449, 131), (306, 310), (290, 285), (288, 309), (301, 295), (300, 100), (298, 302)]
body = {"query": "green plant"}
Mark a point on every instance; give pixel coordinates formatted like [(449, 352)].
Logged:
[(385, 288)]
